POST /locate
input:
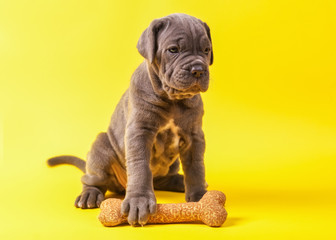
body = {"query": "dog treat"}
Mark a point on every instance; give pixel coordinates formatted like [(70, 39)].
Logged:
[(210, 210)]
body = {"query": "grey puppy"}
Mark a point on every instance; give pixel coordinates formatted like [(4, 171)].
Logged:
[(156, 125)]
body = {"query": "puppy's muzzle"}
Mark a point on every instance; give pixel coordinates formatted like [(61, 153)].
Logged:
[(199, 72)]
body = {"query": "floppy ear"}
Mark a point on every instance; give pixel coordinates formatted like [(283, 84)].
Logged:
[(147, 44), (209, 36)]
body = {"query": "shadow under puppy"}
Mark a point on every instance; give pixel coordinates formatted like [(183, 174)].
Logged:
[(156, 125)]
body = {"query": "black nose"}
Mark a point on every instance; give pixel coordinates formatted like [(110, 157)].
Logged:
[(197, 71)]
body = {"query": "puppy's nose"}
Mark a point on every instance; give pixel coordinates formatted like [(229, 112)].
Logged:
[(197, 71)]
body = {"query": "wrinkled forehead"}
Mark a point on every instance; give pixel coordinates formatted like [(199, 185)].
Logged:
[(183, 30)]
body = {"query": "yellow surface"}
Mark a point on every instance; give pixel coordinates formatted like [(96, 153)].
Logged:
[(270, 120)]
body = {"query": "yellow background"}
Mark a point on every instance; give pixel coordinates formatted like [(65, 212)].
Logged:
[(270, 120)]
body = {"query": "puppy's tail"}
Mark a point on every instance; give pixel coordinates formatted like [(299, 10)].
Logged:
[(67, 159)]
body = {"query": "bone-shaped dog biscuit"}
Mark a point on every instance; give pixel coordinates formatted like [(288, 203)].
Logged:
[(210, 210)]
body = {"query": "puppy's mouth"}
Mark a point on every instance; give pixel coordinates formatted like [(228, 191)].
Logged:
[(174, 93)]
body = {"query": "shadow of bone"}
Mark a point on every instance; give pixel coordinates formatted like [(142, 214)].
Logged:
[(234, 221)]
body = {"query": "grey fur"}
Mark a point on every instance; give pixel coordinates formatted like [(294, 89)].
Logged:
[(158, 122), (67, 159)]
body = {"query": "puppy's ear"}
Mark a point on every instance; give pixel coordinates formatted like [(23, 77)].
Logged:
[(147, 44), (209, 36)]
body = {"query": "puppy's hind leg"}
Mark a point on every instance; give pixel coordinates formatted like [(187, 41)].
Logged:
[(98, 178)]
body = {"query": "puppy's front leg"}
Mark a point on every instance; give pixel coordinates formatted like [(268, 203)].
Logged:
[(140, 200), (192, 160)]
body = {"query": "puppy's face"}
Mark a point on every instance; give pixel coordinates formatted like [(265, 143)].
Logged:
[(182, 53)]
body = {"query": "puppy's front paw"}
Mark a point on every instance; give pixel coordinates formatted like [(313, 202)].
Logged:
[(89, 198), (194, 196), (138, 208)]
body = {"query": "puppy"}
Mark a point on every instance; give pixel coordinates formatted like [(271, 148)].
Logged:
[(156, 125)]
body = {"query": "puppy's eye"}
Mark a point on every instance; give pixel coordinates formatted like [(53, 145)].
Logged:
[(206, 50), (173, 50)]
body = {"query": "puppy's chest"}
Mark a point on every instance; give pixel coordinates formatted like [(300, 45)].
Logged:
[(166, 148)]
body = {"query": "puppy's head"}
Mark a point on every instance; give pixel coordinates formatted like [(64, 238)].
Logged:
[(179, 47)]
